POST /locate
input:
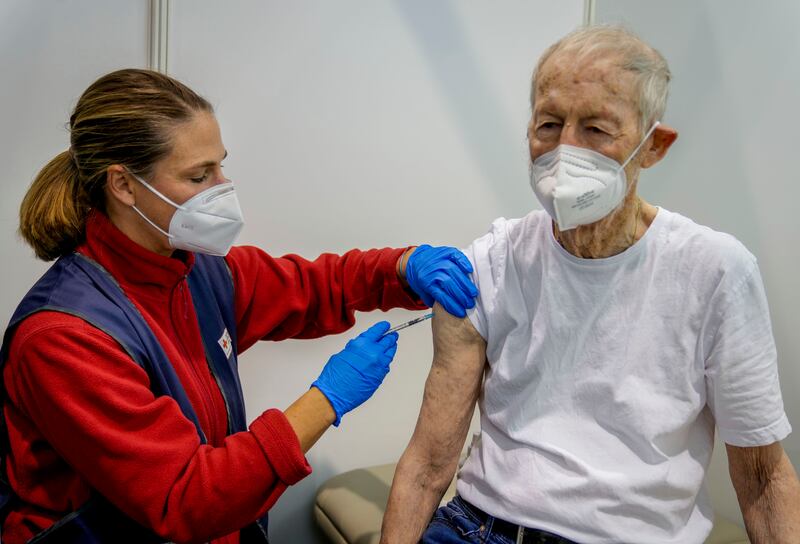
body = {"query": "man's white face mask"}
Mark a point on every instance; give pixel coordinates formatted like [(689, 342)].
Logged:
[(578, 186), (209, 222)]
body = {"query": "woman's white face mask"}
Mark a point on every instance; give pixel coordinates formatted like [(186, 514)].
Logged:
[(209, 222), (578, 186)]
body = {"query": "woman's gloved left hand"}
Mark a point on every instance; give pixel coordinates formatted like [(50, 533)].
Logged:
[(441, 274), (351, 376)]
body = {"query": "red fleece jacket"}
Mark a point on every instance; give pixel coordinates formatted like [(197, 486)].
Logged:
[(81, 415)]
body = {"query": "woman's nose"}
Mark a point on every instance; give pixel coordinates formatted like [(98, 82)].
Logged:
[(219, 177)]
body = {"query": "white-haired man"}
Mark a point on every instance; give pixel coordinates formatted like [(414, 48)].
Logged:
[(610, 337)]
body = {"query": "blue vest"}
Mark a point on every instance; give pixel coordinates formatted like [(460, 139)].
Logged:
[(79, 286)]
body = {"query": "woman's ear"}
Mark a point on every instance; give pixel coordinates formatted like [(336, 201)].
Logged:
[(119, 185), (663, 138)]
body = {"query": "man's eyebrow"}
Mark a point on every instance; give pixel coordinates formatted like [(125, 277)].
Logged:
[(208, 163), (545, 111), (605, 118)]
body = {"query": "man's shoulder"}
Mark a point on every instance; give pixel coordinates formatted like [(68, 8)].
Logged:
[(694, 241), (493, 259), (503, 231)]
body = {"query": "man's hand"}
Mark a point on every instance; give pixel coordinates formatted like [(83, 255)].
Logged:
[(768, 491)]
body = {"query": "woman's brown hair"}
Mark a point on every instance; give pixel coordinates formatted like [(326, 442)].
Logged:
[(124, 117)]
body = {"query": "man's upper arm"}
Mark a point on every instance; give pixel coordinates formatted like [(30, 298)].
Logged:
[(452, 388)]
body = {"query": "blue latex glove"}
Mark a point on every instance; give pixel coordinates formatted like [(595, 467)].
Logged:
[(441, 274), (351, 376)]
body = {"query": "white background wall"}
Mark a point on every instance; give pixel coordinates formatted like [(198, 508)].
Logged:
[(383, 123), (736, 81), (355, 123), (359, 123), (50, 51)]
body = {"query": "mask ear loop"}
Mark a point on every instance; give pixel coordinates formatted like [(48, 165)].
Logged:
[(638, 147), (155, 191), (159, 229), (159, 195)]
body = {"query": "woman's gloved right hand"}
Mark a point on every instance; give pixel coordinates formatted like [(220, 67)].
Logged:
[(351, 376)]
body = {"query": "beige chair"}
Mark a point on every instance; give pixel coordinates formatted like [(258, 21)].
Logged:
[(349, 508)]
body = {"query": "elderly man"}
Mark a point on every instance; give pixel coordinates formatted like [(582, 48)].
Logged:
[(609, 338)]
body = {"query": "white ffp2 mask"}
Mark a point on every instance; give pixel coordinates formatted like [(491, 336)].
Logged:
[(578, 186), (209, 222)]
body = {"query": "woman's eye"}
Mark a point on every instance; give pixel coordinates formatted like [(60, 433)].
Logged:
[(596, 130), (201, 179)]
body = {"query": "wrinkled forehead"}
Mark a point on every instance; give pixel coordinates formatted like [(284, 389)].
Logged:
[(596, 79)]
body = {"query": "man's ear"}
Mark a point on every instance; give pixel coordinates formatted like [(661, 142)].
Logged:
[(119, 185), (663, 138)]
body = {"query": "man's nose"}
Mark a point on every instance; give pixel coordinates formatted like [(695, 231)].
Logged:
[(569, 135)]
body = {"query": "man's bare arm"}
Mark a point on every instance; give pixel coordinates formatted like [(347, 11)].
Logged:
[(429, 462), (768, 491)]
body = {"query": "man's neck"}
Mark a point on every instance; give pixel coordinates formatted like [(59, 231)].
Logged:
[(612, 234)]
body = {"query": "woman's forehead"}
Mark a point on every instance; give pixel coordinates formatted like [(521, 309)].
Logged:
[(196, 140)]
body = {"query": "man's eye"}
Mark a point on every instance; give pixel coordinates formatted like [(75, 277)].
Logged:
[(548, 127), (596, 130)]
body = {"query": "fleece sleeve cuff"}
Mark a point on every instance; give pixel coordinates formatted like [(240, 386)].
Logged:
[(281, 446), (399, 296)]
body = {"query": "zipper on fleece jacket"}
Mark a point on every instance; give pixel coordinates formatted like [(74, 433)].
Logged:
[(203, 385)]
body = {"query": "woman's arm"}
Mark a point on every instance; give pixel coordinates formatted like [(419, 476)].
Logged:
[(310, 416), (99, 426), (291, 297)]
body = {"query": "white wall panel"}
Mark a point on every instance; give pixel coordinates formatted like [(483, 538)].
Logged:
[(733, 100), (50, 51), (363, 123), (360, 123)]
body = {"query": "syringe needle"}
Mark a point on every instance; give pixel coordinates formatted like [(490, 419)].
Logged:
[(409, 323)]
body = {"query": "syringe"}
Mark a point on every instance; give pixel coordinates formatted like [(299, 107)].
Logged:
[(409, 323)]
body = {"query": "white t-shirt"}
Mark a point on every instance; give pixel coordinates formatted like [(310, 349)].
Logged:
[(606, 377)]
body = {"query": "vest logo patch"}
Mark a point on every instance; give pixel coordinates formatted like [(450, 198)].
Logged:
[(225, 343)]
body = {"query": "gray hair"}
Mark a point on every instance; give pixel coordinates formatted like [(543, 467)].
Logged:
[(645, 62)]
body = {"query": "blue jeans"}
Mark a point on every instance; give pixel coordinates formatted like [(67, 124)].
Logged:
[(455, 523), (458, 523)]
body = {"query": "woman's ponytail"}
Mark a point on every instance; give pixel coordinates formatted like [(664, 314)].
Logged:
[(52, 217)]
